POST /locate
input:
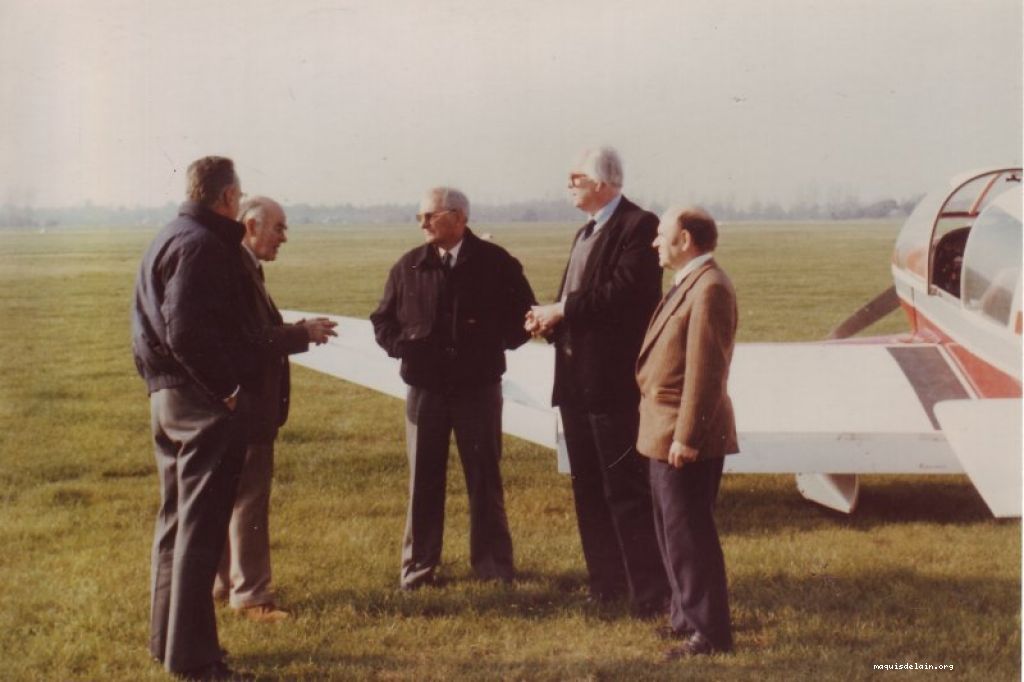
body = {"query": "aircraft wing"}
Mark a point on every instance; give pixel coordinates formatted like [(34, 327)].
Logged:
[(355, 356), (841, 408), (806, 408)]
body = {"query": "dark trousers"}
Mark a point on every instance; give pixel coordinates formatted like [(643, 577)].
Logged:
[(199, 454), (684, 501), (475, 416), (613, 508)]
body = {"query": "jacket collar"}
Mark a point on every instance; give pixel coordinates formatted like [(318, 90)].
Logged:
[(671, 304), (427, 254), (229, 230)]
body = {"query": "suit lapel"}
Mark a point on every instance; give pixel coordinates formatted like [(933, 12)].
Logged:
[(603, 238), (565, 273), (270, 309), (668, 306)]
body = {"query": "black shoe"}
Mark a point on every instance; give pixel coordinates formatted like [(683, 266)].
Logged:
[(218, 670), (695, 645)]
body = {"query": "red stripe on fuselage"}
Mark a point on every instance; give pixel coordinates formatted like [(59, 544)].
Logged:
[(986, 380)]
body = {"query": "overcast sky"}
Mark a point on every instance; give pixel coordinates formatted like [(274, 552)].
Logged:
[(372, 101)]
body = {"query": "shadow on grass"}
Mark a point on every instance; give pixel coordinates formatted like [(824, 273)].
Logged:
[(883, 501), (531, 596), (879, 613), (854, 621)]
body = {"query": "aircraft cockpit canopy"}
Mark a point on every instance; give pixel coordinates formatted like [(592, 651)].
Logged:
[(934, 242), (992, 261)]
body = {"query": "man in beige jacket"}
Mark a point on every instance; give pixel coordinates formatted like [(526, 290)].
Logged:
[(687, 426)]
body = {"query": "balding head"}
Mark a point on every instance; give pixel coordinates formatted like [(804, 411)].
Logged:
[(683, 234), (699, 224)]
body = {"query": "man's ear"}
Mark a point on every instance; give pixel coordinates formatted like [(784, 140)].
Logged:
[(685, 239), (250, 226)]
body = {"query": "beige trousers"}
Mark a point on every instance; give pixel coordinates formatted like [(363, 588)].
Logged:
[(244, 572)]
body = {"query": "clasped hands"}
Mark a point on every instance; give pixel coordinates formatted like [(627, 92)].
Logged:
[(541, 320), (319, 329)]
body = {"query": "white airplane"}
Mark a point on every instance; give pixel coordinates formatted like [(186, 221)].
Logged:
[(945, 398)]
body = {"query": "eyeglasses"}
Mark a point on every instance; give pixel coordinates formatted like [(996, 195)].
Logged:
[(577, 180), (429, 217)]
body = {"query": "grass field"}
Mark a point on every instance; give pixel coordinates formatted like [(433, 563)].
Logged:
[(920, 573)]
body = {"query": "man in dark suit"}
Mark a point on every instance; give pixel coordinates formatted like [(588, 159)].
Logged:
[(450, 310), (611, 284), (687, 426), (189, 344), (244, 573)]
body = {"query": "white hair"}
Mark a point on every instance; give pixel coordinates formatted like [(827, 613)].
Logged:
[(451, 199), (602, 164), (254, 207)]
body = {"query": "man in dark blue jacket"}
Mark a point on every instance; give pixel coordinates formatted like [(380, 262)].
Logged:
[(188, 338), (450, 310)]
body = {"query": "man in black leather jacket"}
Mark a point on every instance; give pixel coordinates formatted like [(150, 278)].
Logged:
[(450, 310)]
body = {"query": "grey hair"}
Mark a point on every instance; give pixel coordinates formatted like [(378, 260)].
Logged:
[(451, 199), (602, 164), (254, 207)]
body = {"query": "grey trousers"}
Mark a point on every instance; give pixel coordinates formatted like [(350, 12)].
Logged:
[(475, 416), (199, 448), (244, 572)]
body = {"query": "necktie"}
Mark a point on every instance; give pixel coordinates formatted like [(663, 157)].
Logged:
[(446, 261), (259, 269), (588, 229)]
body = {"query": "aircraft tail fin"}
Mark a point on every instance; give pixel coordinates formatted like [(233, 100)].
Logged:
[(977, 431)]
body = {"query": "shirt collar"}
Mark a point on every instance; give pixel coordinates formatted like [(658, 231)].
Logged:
[(255, 260), (691, 267), (454, 251), (606, 211)]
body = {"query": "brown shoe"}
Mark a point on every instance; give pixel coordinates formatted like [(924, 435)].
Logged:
[(264, 613)]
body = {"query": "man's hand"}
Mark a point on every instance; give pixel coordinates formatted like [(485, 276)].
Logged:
[(319, 329), (544, 318), (680, 454), (532, 325)]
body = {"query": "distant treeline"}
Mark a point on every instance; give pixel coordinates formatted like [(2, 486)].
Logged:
[(12, 216)]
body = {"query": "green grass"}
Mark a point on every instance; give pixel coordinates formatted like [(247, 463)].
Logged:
[(920, 573)]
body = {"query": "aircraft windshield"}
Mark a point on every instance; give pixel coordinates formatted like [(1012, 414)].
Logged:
[(992, 261), (939, 225)]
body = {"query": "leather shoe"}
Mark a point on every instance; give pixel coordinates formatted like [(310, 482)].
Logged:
[(695, 645), (218, 670), (264, 613)]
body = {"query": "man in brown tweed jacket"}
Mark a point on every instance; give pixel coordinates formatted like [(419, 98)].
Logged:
[(687, 426)]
